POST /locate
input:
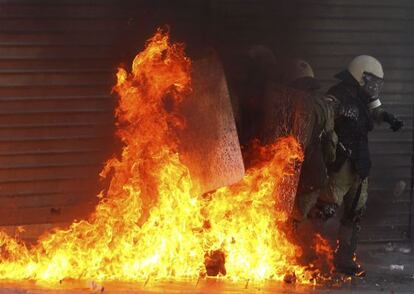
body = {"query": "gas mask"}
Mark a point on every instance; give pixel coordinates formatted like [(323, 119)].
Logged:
[(372, 86)]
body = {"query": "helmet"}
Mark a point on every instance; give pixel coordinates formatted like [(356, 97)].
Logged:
[(367, 72), (262, 55), (365, 64), (300, 75), (263, 62), (300, 69)]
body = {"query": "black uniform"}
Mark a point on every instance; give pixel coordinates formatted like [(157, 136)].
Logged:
[(355, 117), (352, 124)]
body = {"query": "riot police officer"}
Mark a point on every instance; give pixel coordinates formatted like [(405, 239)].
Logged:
[(312, 123), (314, 126), (358, 108)]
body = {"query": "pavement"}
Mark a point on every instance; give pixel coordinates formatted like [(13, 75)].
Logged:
[(390, 269)]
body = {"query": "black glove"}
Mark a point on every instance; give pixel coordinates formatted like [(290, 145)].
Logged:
[(395, 123)]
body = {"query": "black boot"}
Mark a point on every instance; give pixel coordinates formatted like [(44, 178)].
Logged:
[(345, 258)]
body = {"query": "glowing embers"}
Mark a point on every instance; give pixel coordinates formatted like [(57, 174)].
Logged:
[(148, 224)]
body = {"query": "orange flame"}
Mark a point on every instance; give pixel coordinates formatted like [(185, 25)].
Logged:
[(148, 223)]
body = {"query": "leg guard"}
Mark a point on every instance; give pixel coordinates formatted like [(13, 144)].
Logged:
[(345, 258)]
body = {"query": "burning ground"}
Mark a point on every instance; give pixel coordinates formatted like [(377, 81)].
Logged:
[(151, 222)]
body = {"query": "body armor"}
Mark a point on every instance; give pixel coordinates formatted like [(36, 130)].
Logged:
[(352, 124)]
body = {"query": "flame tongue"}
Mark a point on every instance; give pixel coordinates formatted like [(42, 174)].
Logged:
[(149, 224)]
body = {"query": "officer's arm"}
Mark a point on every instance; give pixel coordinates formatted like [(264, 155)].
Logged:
[(330, 139), (380, 115), (334, 105)]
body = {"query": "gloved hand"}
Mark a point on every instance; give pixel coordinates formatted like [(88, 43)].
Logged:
[(396, 124)]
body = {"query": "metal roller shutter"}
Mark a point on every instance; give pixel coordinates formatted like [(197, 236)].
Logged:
[(57, 66), (57, 60), (56, 71)]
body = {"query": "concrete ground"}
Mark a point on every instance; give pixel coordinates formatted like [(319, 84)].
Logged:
[(390, 269), (377, 259)]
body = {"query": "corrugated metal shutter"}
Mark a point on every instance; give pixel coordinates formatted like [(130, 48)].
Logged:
[(56, 72), (335, 32), (57, 65), (57, 60)]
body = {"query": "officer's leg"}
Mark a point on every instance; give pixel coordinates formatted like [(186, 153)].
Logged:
[(303, 204), (333, 195), (303, 231), (354, 206)]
